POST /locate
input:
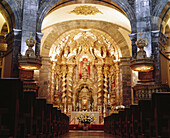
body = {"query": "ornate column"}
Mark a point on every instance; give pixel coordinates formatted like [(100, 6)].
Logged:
[(64, 89), (100, 89), (69, 88), (117, 81), (106, 71), (57, 100), (112, 89), (52, 83)]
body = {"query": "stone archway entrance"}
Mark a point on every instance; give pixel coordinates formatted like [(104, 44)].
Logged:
[(88, 60), (85, 72)]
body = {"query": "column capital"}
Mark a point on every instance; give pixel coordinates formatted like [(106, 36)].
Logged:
[(155, 34), (133, 36), (39, 35)]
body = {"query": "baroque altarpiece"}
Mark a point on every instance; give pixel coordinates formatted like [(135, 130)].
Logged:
[(85, 73)]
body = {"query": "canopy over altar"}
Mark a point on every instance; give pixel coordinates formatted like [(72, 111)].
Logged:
[(75, 114)]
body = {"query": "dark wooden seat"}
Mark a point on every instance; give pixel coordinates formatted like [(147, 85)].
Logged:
[(146, 124), (149, 119), (24, 115), (11, 97), (161, 105)]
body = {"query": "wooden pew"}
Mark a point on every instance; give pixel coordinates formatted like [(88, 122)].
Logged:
[(11, 97), (134, 120), (146, 125), (22, 115), (122, 120), (49, 122), (161, 105), (29, 105), (39, 117), (127, 123), (107, 124)]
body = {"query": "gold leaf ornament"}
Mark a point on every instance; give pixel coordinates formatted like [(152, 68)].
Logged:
[(85, 10)]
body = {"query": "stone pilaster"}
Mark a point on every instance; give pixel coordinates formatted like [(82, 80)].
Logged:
[(126, 81), (143, 18), (38, 42), (156, 54), (43, 79), (133, 38), (29, 21)]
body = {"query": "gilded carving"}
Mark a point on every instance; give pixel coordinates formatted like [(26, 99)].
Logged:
[(84, 59), (85, 10)]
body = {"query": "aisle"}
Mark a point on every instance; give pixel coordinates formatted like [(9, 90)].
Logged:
[(86, 134)]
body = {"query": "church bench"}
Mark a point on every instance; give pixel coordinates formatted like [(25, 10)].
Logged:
[(107, 124), (134, 120), (161, 107), (11, 97), (22, 115), (55, 131), (29, 112), (39, 117), (114, 124), (127, 123), (146, 124), (122, 120), (49, 123), (151, 118)]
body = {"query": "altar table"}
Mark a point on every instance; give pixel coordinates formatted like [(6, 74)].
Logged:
[(74, 115)]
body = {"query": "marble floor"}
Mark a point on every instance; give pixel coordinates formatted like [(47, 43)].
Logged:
[(86, 134)]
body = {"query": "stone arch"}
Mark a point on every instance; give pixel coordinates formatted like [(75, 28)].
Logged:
[(43, 10), (70, 25), (11, 13), (159, 13)]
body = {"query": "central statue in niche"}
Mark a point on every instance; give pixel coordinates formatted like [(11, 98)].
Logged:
[(84, 68)]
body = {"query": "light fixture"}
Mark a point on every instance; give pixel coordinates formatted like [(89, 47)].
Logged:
[(142, 63), (30, 61)]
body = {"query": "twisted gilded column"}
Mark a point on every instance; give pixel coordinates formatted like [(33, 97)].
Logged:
[(57, 101), (99, 89), (69, 88), (117, 81), (64, 88), (112, 90), (52, 83), (106, 71)]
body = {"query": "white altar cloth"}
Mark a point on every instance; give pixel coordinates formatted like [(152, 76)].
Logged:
[(74, 115)]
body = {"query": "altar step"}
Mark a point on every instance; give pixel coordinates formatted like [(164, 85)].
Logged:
[(93, 127)]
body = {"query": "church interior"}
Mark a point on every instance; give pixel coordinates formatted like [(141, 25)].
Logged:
[(105, 60)]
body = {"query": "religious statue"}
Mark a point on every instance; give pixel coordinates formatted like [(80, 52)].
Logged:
[(85, 65)]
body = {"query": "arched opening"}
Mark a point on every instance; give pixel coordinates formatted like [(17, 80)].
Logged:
[(85, 57), (165, 45), (10, 23), (3, 44)]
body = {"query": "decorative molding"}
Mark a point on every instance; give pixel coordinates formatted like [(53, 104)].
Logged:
[(85, 10)]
